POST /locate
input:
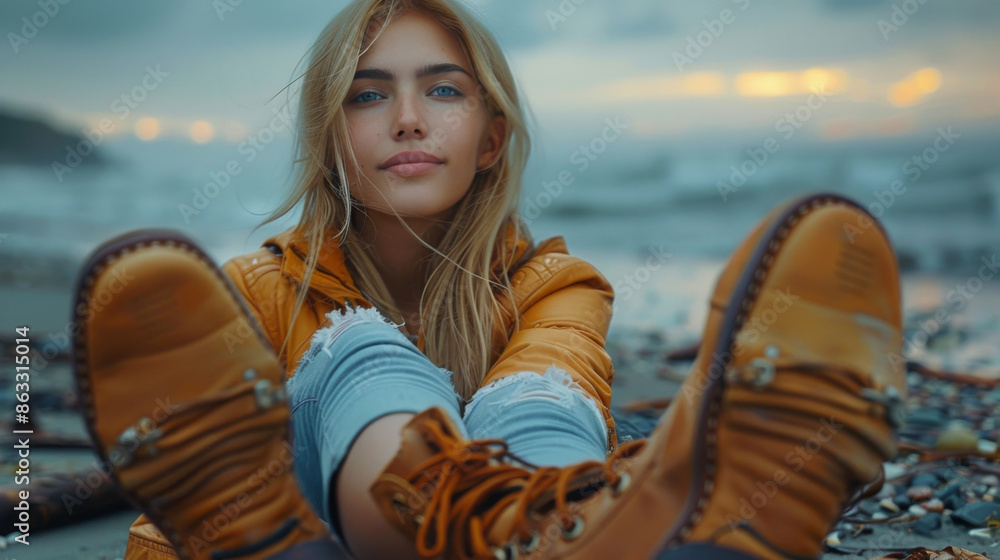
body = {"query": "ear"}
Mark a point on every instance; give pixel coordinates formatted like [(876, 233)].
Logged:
[(492, 143)]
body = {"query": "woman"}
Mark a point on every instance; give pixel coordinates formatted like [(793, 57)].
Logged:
[(411, 149)]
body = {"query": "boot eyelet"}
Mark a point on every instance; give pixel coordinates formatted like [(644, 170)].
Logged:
[(263, 394), (575, 530), (146, 426), (508, 552), (624, 481), (761, 373), (891, 400), (530, 546)]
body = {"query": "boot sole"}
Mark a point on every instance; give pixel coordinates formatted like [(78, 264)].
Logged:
[(103, 256), (745, 291)]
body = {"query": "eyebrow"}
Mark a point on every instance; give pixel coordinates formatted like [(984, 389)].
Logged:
[(423, 72)]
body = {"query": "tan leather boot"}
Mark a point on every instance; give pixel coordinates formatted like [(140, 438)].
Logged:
[(786, 413), (184, 400)]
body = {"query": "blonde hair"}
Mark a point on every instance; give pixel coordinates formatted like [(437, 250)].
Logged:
[(460, 301)]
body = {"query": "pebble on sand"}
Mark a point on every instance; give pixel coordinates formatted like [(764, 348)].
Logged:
[(920, 493), (926, 417), (925, 479), (977, 514), (928, 524), (889, 505), (893, 470), (833, 539), (988, 447), (957, 439), (987, 533), (934, 505)]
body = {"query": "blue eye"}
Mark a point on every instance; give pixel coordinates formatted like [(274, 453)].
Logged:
[(361, 97), (449, 88)]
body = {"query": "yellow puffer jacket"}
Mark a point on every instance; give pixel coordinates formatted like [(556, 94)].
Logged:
[(563, 301)]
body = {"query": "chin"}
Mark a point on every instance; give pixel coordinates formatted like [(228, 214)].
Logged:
[(416, 211), (424, 207)]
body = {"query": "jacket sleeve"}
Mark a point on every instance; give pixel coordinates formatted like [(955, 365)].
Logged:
[(565, 313)]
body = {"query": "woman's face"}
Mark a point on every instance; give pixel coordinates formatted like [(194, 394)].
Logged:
[(414, 92)]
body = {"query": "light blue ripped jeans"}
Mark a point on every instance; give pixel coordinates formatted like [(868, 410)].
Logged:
[(362, 368)]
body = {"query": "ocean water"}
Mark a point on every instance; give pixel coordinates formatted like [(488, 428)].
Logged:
[(626, 213), (659, 234)]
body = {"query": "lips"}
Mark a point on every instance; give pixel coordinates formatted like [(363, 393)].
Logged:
[(411, 163)]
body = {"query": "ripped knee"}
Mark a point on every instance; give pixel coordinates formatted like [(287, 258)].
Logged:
[(555, 385), (340, 320)]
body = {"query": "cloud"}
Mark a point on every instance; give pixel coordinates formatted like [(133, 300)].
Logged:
[(229, 67), (105, 21)]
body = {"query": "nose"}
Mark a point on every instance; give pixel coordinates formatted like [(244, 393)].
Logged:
[(410, 122)]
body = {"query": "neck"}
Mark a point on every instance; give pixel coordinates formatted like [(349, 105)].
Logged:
[(400, 258)]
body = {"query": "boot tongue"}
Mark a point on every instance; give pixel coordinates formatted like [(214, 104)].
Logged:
[(426, 436), (502, 530), (404, 502)]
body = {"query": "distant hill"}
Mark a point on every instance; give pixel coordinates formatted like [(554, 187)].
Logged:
[(27, 141)]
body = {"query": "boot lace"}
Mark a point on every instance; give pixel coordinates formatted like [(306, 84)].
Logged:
[(473, 487)]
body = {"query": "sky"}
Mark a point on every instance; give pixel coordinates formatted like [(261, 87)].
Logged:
[(682, 72)]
